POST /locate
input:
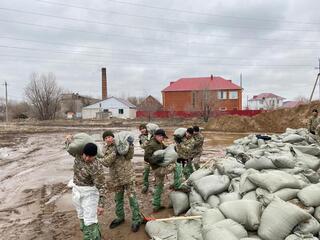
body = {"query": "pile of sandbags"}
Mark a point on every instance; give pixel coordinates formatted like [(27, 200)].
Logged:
[(266, 187)]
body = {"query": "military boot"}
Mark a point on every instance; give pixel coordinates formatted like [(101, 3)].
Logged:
[(81, 225), (119, 210), (91, 232), (156, 202), (136, 217), (146, 172)]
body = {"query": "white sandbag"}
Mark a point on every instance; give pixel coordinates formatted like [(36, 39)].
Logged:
[(279, 219), (245, 212), (310, 149), (235, 150), (312, 176), (212, 216), (226, 197), (260, 163), (283, 161), (211, 185), (250, 196), (230, 167), (309, 226), (293, 138), (198, 209), (245, 184), (232, 226), (301, 237), (213, 201), (189, 230), (274, 180), (170, 156), (180, 132), (157, 157), (216, 233), (180, 202), (195, 197), (310, 196), (121, 141), (78, 142), (152, 128), (161, 230), (307, 161), (285, 194), (316, 213), (234, 185), (200, 173)]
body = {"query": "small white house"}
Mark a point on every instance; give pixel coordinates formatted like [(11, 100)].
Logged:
[(110, 107), (265, 101)]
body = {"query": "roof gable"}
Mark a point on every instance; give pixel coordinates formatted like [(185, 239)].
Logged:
[(110, 103), (201, 83)]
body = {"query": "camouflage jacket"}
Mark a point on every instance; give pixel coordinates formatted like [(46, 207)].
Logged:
[(152, 146), (198, 143), (120, 166), (185, 148), (143, 140), (313, 123), (90, 174)]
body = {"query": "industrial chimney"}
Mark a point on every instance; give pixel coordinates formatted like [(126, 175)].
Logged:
[(104, 83)]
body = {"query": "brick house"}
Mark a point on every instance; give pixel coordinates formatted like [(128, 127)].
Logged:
[(192, 94)]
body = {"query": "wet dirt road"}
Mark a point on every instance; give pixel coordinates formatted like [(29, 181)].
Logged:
[(36, 202)]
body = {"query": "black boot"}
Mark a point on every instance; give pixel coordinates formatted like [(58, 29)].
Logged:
[(115, 223)]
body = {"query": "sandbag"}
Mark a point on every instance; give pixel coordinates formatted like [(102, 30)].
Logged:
[(307, 161), (189, 230), (157, 157), (309, 226), (316, 213), (301, 237), (234, 185), (180, 202), (226, 197), (195, 197), (311, 149), (250, 196), (245, 212), (285, 194), (245, 184), (180, 132), (310, 196), (152, 128), (230, 167), (200, 173), (170, 156), (311, 175), (212, 216), (260, 163), (197, 209), (216, 233), (293, 138), (279, 219), (232, 226), (121, 141), (283, 161), (162, 230), (78, 142), (274, 180), (213, 201), (211, 185)]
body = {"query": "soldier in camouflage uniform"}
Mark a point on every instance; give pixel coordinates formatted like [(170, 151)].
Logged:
[(88, 190), (313, 122), (198, 147), (156, 143), (185, 152), (122, 175), (144, 140)]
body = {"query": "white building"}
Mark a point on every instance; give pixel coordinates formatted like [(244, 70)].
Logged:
[(110, 107), (265, 101)]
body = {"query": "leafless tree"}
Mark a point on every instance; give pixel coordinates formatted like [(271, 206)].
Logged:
[(301, 99), (44, 95), (208, 100)]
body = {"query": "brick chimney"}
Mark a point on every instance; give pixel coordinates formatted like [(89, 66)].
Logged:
[(104, 83), (211, 77)]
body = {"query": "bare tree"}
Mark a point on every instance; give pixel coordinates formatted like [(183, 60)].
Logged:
[(301, 99), (208, 100), (44, 95)]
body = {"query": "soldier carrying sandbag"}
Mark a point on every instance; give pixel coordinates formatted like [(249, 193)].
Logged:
[(198, 147), (123, 179), (88, 187), (144, 140), (313, 122)]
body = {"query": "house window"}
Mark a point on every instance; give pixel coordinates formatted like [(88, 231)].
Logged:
[(105, 110), (120, 111), (222, 95), (233, 95)]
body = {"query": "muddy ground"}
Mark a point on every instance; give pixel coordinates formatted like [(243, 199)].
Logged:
[(35, 202)]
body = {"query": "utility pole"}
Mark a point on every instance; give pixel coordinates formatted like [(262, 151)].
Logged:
[(6, 89), (315, 84)]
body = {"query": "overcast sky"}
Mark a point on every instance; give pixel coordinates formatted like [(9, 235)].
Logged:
[(146, 44)]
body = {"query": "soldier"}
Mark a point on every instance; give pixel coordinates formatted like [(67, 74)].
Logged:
[(122, 175), (313, 122), (156, 143), (198, 147), (88, 192), (185, 152), (143, 140)]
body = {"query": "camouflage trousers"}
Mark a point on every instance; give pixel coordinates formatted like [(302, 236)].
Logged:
[(129, 191), (146, 173)]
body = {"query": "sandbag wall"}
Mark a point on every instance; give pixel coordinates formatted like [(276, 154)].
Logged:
[(261, 189)]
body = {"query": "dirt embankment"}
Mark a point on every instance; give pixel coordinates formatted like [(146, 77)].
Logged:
[(272, 121)]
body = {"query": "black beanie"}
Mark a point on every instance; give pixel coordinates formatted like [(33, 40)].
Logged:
[(90, 149), (196, 128), (107, 133), (190, 130)]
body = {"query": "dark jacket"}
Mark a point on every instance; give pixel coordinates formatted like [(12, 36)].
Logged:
[(152, 146)]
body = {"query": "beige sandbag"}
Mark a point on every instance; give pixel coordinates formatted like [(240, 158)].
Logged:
[(310, 196)]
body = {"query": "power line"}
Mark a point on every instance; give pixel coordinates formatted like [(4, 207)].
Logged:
[(127, 26), (145, 17)]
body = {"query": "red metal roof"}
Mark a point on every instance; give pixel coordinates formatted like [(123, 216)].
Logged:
[(201, 83), (265, 95)]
